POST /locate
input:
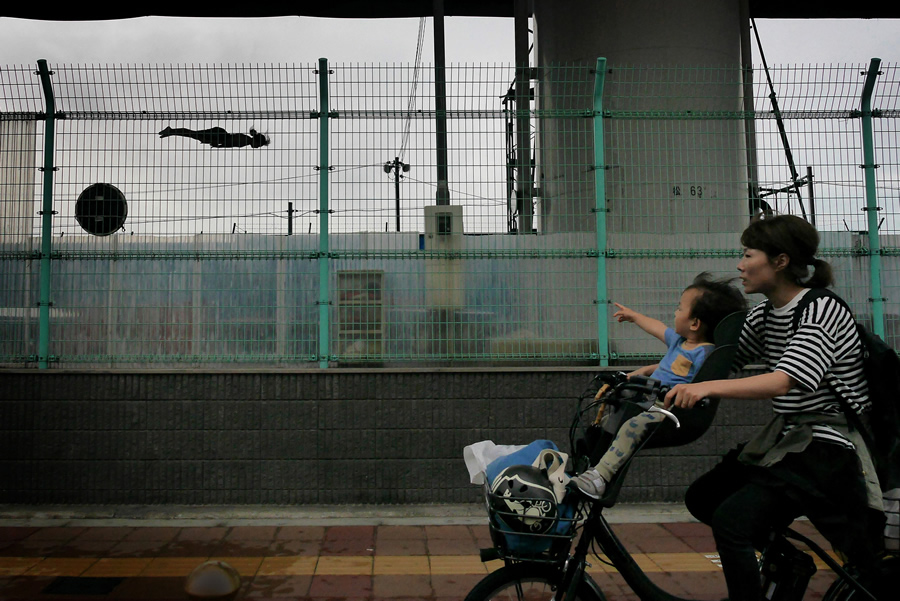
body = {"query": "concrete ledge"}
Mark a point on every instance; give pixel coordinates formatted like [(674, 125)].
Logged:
[(314, 515)]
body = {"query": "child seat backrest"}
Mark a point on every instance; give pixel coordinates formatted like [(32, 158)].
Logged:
[(695, 422)]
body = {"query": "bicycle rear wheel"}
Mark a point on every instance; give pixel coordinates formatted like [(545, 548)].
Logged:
[(889, 574), (527, 582)]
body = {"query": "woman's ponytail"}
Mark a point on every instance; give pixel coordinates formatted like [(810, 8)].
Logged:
[(822, 276)]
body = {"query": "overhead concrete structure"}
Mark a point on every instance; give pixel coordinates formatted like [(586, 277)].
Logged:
[(366, 9), (652, 164)]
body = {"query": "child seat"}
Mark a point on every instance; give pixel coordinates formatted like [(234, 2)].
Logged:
[(694, 422)]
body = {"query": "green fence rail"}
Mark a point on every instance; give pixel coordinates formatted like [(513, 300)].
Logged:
[(286, 215)]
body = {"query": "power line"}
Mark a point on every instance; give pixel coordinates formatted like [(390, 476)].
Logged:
[(412, 91)]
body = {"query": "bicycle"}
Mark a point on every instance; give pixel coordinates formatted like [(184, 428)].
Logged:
[(551, 569)]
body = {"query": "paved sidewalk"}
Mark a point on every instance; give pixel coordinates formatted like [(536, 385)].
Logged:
[(352, 553)]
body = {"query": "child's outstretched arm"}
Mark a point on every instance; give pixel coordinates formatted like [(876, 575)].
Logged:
[(644, 371), (654, 327)]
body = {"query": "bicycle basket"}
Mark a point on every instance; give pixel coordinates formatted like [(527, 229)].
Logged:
[(545, 538)]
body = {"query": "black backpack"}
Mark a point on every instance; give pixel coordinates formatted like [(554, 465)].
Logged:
[(881, 365)]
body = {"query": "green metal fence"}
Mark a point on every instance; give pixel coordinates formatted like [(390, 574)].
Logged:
[(296, 214)]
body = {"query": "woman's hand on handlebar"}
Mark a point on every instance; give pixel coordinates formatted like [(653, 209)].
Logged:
[(685, 396)]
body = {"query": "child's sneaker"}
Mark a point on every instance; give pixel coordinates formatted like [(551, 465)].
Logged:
[(590, 483)]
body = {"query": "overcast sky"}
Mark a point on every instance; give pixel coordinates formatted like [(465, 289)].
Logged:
[(163, 40)]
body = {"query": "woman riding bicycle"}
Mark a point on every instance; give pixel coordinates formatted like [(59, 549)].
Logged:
[(807, 460)]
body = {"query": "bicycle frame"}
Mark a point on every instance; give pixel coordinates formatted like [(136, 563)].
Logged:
[(596, 529)]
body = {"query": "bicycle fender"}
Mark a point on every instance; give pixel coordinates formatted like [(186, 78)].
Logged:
[(595, 588)]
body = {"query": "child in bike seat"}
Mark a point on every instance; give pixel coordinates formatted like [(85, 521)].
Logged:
[(702, 306)]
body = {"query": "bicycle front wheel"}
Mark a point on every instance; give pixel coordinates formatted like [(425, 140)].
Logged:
[(527, 582)]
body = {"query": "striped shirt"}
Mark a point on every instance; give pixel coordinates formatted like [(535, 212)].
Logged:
[(825, 348)]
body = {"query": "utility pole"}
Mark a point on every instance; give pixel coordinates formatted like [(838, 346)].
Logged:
[(396, 165)]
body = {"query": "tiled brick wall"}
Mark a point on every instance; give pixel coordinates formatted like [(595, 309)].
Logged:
[(304, 437)]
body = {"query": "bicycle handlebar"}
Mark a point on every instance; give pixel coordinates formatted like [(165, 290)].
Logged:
[(649, 391)]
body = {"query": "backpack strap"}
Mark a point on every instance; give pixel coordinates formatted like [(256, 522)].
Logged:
[(853, 419)]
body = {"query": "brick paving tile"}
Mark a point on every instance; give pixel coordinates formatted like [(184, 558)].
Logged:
[(171, 567), (12, 533), (454, 586), (452, 546), (457, 564), (482, 535), (349, 547), (387, 565), (400, 533), (201, 534), (137, 548), (28, 548), (190, 548), (344, 587), (671, 585), (277, 587), (305, 533), (344, 532), (283, 548), (265, 533), (89, 548), (59, 533), (108, 567), (337, 565), (400, 547), (631, 534), (152, 534), (687, 529), (349, 540), (393, 586), (697, 585), (62, 566), (682, 562), (289, 566), (104, 533), (819, 583), (448, 532), (660, 544), (236, 548), (700, 544), (16, 566)]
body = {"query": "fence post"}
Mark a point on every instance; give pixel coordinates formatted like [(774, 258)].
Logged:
[(600, 213), (46, 217), (872, 207), (324, 275)]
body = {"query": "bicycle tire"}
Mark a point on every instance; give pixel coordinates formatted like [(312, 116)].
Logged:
[(526, 582), (841, 590)]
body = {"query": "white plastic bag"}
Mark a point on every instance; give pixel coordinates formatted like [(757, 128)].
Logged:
[(478, 455)]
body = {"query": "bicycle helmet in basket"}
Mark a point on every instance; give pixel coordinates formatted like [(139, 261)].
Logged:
[(523, 496)]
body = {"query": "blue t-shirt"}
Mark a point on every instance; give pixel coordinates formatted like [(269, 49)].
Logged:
[(679, 366)]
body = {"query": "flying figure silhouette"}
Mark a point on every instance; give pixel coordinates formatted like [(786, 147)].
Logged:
[(218, 137)]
